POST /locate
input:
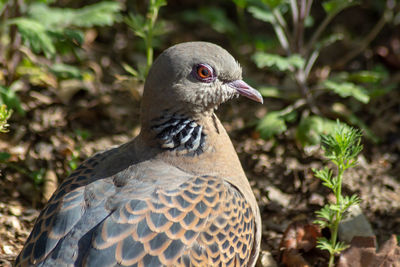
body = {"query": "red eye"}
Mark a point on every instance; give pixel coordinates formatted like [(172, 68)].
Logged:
[(204, 73)]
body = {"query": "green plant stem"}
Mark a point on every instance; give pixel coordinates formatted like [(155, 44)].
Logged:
[(280, 28), (149, 53), (301, 81), (338, 217), (152, 12)]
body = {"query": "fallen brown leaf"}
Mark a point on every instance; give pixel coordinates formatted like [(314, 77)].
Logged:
[(299, 237), (362, 253)]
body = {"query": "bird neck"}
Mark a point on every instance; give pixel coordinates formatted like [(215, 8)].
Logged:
[(174, 131)]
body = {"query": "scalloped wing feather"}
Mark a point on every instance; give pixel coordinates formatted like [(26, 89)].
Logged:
[(204, 221)]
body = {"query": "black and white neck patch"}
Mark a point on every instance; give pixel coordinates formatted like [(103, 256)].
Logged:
[(176, 132)]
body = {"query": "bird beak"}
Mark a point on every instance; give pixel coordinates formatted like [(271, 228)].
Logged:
[(246, 90)]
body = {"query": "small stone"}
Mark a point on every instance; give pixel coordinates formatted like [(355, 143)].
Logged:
[(355, 224), (15, 210), (276, 195), (14, 223), (8, 250), (316, 199), (266, 260)]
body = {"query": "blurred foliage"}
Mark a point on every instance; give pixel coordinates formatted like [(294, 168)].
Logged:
[(9, 97), (296, 58), (5, 114), (146, 27), (34, 40), (44, 28), (213, 16), (45, 31), (75, 157), (281, 63)]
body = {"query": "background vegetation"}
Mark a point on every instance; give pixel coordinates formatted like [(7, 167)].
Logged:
[(72, 73)]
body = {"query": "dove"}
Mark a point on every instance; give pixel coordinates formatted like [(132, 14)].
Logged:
[(176, 195)]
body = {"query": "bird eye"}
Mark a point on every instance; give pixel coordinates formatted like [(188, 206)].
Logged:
[(204, 73)]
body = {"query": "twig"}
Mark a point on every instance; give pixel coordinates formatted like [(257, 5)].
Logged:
[(300, 27), (310, 62), (295, 16), (295, 10), (299, 103), (301, 80), (281, 31)]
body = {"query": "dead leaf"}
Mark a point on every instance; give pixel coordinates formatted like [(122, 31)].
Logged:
[(362, 253), (299, 237)]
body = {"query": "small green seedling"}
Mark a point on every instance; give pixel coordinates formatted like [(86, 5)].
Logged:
[(5, 114), (146, 28), (341, 148)]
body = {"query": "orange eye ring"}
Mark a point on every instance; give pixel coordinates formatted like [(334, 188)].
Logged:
[(203, 72)]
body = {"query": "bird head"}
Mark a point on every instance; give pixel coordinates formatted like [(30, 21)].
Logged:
[(194, 78)]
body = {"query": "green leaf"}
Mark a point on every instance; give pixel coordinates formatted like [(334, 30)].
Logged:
[(38, 176), (341, 110), (309, 131), (326, 176), (83, 134), (262, 14), (130, 70), (281, 63), (213, 16), (36, 73), (74, 35), (273, 123), (240, 3), (339, 247), (159, 3), (4, 156), (272, 3), (64, 71), (346, 89), (269, 91), (344, 144), (137, 23), (330, 40), (324, 244), (99, 14), (35, 34), (11, 99), (5, 114), (335, 207), (380, 90), (325, 213), (350, 201), (321, 223), (160, 28), (335, 6), (366, 76)]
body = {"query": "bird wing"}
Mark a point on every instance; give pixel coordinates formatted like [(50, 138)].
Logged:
[(183, 220)]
